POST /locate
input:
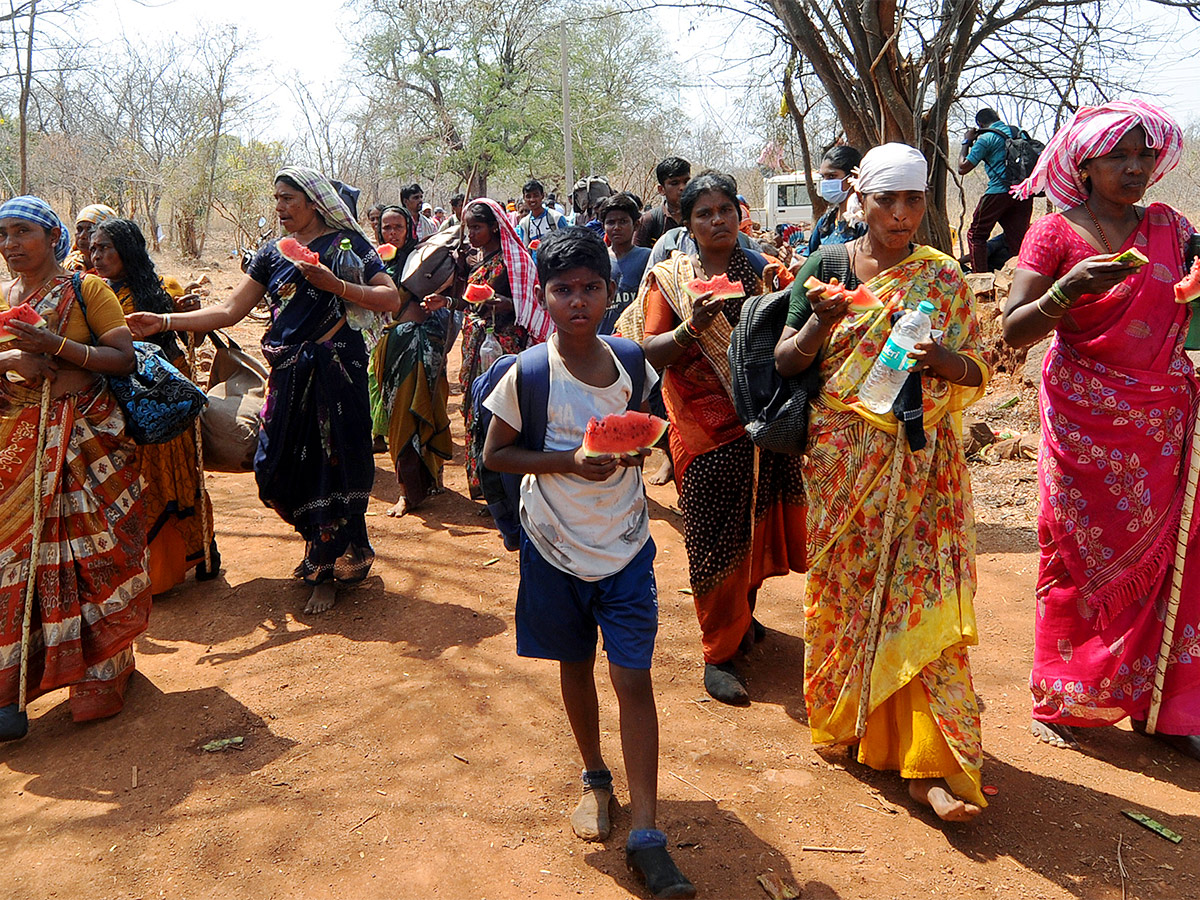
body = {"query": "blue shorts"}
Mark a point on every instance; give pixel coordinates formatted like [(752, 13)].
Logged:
[(557, 613)]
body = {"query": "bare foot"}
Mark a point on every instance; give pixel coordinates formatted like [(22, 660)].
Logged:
[(932, 793), (1060, 736), (665, 473), (324, 596), (399, 509)]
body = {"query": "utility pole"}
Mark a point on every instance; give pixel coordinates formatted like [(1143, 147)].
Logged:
[(568, 152)]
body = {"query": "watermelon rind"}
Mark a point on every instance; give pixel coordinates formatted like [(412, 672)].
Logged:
[(1132, 257), (1188, 288), (698, 287), (291, 249)]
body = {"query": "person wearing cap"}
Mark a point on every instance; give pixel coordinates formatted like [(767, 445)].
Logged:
[(896, 683)]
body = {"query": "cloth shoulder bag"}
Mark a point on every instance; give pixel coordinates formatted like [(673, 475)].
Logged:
[(237, 390)]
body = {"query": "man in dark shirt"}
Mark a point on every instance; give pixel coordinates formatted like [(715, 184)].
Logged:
[(984, 144), (673, 174)]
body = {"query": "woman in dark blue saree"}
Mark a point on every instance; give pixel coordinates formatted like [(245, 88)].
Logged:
[(314, 464)]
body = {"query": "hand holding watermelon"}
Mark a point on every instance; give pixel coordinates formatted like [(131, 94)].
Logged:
[(23, 314)]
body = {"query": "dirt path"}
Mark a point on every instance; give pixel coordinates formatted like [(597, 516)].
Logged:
[(397, 747)]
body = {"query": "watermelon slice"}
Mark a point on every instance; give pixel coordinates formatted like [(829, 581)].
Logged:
[(862, 298), (478, 293), (623, 434), (535, 243), (387, 252), (1189, 288), (1130, 257), (22, 313), (295, 251), (719, 286)]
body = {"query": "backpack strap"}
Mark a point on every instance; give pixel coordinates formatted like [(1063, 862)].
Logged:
[(758, 262), (533, 394), (633, 361)]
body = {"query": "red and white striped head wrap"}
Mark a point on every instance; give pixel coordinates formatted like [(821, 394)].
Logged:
[(522, 275), (1094, 131)]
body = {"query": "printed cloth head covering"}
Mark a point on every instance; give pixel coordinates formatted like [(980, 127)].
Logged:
[(96, 213), (325, 196), (522, 276), (1094, 131), (38, 211), (888, 167)]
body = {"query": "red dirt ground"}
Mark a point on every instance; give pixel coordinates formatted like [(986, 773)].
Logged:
[(397, 747)]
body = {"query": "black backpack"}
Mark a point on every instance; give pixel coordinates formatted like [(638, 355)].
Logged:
[(1020, 154)]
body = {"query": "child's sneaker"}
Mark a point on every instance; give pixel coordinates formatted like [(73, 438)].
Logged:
[(590, 820), (647, 857)]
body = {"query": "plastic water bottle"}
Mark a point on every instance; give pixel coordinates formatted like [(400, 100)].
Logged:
[(882, 386), (490, 350), (348, 266)]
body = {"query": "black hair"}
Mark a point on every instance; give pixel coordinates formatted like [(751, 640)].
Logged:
[(293, 183), (483, 213), (572, 248), (672, 167), (458, 198), (140, 276), (623, 202), (843, 157), (377, 208), (407, 193), (533, 185), (702, 184), (986, 117)]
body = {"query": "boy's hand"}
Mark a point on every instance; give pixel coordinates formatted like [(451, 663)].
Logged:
[(631, 462), (594, 468)]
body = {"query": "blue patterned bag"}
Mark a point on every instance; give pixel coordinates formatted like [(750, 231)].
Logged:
[(159, 402)]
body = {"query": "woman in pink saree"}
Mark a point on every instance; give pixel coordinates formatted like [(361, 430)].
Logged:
[(1118, 404)]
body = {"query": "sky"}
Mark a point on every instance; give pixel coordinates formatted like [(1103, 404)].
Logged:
[(287, 43)]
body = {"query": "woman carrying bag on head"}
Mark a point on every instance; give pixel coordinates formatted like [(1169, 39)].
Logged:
[(314, 464), (91, 591)]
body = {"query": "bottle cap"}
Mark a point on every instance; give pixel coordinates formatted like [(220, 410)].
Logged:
[(346, 245), (926, 307)]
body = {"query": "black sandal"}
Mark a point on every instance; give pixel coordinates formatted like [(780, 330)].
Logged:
[(203, 572), (647, 857), (14, 725)]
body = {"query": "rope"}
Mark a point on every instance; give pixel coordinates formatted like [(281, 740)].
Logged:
[(1181, 543), (35, 546), (881, 577)]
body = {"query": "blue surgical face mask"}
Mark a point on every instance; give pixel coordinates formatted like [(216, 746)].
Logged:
[(833, 190)]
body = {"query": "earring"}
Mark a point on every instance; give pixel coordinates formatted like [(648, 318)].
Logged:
[(1083, 176)]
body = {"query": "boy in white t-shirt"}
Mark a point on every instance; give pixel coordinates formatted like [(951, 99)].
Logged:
[(586, 553)]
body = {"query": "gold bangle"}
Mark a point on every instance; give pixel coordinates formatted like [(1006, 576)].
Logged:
[(166, 323), (692, 329), (60, 346), (1043, 311), (87, 354), (1059, 297), (678, 338), (966, 368), (344, 287), (797, 348)]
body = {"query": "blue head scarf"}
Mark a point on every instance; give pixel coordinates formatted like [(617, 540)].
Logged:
[(38, 211)]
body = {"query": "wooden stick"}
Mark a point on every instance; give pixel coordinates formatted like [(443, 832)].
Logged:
[(35, 543), (202, 504), (1181, 545), (693, 787), (835, 849), (881, 578)]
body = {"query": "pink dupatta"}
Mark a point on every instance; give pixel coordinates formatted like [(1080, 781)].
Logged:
[(1117, 405)]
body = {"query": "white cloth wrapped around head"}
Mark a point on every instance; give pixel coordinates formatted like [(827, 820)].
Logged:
[(888, 167)]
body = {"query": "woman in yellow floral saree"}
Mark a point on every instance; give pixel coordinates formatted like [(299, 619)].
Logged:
[(891, 532)]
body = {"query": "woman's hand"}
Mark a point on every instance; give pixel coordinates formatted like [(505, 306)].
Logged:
[(321, 277), (434, 302), (1095, 275), (33, 338), (32, 368), (145, 324), (594, 468), (705, 311), (828, 310), (935, 359), (187, 303), (634, 461)]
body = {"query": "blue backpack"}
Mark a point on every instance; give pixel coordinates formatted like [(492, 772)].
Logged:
[(502, 490)]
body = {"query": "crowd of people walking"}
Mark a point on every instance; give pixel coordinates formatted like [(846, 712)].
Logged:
[(875, 508)]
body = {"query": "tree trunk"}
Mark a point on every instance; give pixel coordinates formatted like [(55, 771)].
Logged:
[(26, 85)]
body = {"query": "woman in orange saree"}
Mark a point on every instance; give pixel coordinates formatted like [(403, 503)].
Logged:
[(743, 508), (91, 591)]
